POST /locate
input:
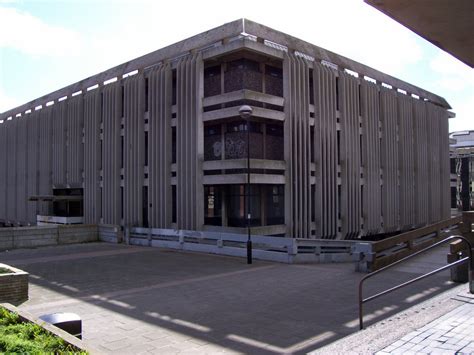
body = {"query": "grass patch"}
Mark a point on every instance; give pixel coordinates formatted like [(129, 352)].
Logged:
[(24, 337), (4, 270)]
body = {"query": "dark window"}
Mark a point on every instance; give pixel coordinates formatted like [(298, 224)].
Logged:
[(243, 63), (173, 204), (121, 202), (273, 80), (146, 94), (212, 142), (122, 103), (275, 204), (243, 74), (275, 130), (122, 153), (236, 140), (274, 143), (212, 81), (241, 126), (174, 89), (311, 87), (236, 211), (212, 130), (101, 202), (67, 208), (145, 206), (173, 145), (146, 148), (338, 138), (213, 205), (101, 107)]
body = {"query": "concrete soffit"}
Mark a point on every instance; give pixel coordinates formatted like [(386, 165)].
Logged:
[(235, 35)]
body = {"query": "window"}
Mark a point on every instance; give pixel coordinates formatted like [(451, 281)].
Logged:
[(241, 126), (212, 81), (174, 89), (273, 80), (275, 204), (213, 205), (275, 130), (173, 145), (274, 143), (146, 94), (236, 140), (236, 206), (212, 142), (243, 74), (145, 206), (173, 204), (146, 149), (212, 130)]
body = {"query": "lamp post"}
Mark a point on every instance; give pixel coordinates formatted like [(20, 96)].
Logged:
[(245, 112)]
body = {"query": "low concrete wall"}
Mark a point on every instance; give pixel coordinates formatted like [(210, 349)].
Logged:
[(279, 249), (13, 285), (39, 236)]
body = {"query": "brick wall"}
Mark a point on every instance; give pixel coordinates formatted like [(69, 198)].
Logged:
[(13, 286)]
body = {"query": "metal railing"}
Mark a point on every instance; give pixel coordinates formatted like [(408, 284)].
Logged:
[(448, 266)]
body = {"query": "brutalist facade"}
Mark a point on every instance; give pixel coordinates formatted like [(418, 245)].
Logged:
[(462, 170), (337, 149)]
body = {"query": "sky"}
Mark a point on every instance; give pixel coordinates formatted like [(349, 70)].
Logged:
[(48, 44)]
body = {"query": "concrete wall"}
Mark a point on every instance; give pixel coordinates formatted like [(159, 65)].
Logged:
[(33, 237)]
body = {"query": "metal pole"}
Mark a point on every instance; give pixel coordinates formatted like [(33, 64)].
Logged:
[(246, 112), (249, 239)]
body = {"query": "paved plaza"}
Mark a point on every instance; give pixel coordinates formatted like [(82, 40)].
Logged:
[(150, 300), (450, 334)]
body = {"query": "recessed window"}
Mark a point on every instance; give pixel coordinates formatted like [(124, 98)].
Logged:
[(213, 205)]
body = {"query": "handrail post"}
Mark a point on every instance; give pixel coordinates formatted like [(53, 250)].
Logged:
[(361, 305), (467, 232)]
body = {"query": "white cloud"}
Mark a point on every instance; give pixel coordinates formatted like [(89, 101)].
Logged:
[(30, 35), (7, 102), (464, 109), (453, 75)]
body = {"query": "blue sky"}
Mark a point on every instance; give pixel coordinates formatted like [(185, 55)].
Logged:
[(45, 45)]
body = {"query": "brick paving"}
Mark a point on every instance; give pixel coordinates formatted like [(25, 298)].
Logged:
[(452, 333), (148, 300)]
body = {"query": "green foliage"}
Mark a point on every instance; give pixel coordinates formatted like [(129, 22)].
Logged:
[(4, 270), (18, 337)]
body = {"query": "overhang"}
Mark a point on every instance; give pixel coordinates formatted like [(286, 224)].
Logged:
[(53, 198), (449, 25)]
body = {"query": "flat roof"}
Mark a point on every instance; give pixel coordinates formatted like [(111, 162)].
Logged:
[(222, 36)]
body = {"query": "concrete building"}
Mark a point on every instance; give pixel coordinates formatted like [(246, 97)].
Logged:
[(338, 150), (462, 170)]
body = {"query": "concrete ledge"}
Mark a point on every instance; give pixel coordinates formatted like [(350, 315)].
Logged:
[(13, 285), (79, 344)]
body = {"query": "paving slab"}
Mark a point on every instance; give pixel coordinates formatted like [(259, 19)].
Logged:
[(151, 300)]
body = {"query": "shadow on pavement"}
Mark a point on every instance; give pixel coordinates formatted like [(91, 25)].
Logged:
[(131, 297)]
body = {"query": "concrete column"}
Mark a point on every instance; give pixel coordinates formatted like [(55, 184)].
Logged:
[(159, 147), (389, 161), (297, 147), (92, 157), (325, 152)]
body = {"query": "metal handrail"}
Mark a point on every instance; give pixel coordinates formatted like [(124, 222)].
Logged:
[(448, 266)]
